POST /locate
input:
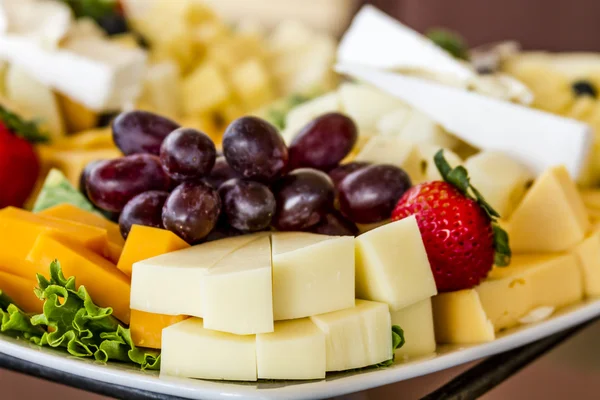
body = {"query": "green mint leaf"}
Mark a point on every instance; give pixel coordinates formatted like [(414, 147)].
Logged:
[(502, 253)]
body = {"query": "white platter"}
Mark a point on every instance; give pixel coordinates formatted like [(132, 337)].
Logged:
[(333, 385)]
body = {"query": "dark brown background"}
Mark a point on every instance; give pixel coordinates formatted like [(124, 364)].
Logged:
[(537, 24)]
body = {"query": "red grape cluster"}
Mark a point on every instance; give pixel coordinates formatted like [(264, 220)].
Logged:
[(172, 177)]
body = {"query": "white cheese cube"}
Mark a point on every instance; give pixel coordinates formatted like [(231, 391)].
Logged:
[(416, 321), (357, 337), (237, 294), (312, 274), (191, 351), (459, 318), (392, 265), (551, 217), (420, 128), (392, 123), (170, 283), (500, 179), (295, 350)]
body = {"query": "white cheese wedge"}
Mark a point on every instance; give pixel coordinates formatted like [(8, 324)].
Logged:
[(588, 254), (356, 337), (191, 351), (237, 294), (530, 282), (99, 74), (392, 265), (312, 274), (170, 283), (416, 321), (501, 180), (551, 217), (377, 40), (459, 318), (538, 139), (295, 350)]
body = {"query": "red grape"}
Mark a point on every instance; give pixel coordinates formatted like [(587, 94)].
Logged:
[(192, 211), (222, 231), (112, 183), (141, 131), (370, 194), (324, 142), (335, 224), (187, 154), (303, 197), (144, 209), (340, 172), (248, 206), (254, 148), (220, 173)]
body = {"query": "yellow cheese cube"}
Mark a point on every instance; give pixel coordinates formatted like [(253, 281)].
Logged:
[(459, 318), (144, 242), (204, 90), (191, 351), (303, 345), (588, 254), (91, 139), (530, 282), (108, 286), (591, 198), (392, 265), (77, 117), (551, 217), (146, 328), (416, 321), (251, 83)]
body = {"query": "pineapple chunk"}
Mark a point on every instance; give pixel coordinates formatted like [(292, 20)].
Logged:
[(162, 89), (288, 36), (230, 51), (205, 90), (92, 139), (251, 83)]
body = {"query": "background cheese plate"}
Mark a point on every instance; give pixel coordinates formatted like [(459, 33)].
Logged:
[(333, 385)]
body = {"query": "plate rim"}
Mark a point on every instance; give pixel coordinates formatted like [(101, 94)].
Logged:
[(343, 385)]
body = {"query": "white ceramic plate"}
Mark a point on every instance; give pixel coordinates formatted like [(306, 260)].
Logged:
[(333, 385)]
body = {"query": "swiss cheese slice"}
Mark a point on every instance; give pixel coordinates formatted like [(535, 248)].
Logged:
[(312, 274)]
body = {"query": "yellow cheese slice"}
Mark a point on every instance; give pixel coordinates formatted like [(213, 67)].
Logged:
[(552, 216), (20, 290)]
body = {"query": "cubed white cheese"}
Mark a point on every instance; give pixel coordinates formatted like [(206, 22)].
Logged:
[(416, 321), (170, 283), (356, 337), (237, 294), (312, 274), (537, 139), (295, 350), (191, 351), (392, 265)]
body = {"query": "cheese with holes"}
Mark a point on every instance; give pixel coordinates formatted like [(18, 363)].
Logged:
[(392, 265), (356, 337), (108, 286), (312, 274), (237, 292), (19, 229), (416, 321), (20, 290), (170, 283), (294, 350), (73, 213), (191, 351), (145, 242), (530, 282), (551, 216), (588, 254), (146, 328), (459, 318)]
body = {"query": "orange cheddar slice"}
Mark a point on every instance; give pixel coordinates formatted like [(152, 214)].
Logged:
[(73, 213), (146, 328), (19, 229), (108, 286), (144, 242), (20, 290)]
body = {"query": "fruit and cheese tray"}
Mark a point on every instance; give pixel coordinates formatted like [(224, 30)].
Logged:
[(184, 198)]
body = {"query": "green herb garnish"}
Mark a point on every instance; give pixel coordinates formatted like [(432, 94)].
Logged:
[(450, 41)]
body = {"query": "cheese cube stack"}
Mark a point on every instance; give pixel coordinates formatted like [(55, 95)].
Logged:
[(416, 321)]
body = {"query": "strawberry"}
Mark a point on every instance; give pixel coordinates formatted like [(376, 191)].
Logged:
[(19, 163), (459, 229)]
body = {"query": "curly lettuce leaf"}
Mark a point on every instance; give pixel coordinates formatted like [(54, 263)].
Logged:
[(72, 321)]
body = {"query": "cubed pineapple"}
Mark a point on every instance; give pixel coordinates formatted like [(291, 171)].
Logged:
[(252, 84), (288, 36), (162, 88), (205, 89), (228, 52)]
